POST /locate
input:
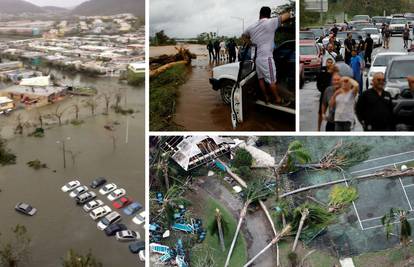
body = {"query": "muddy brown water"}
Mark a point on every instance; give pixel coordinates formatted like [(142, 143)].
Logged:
[(60, 225), (200, 108)]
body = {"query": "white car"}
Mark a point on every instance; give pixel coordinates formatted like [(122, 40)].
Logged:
[(379, 64), (100, 212), (109, 219), (375, 35), (70, 186), (92, 205), (127, 236), (78, 190), (397, 25), (140, 218), (108, 188), (117, 193)]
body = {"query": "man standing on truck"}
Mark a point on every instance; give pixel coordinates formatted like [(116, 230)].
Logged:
[(262, 34)]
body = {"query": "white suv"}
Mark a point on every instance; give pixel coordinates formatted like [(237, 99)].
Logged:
[(100, 212)]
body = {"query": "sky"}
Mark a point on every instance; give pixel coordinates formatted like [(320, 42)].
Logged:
[(188, 18), (59, 3)]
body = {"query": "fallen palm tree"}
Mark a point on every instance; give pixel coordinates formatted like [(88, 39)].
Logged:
[(285, 231), (342, 155), (387, 173), (164, 62), (255, 191)]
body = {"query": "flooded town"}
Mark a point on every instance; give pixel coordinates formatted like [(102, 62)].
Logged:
[(72, 131)]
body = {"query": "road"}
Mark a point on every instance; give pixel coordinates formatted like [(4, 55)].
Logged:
[(200, 108), (309, 94), (255, 228)]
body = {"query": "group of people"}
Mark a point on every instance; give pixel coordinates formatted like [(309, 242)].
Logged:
[(356, 54), (342, 101), (219, 50)]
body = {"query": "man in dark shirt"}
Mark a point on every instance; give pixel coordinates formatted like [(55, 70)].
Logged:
[(369, 46), (210, 48), (349, 44), (406, 36), (374, 107), (232, 51), (217, 49)]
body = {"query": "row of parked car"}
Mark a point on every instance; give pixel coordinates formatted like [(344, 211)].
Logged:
[(108, 220)]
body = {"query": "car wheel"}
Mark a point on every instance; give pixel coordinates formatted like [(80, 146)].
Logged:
[(225, 90)]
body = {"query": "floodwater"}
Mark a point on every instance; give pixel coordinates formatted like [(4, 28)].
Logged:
[(60, 225), (200, 108)]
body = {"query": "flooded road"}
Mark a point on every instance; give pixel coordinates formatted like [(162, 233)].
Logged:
[(200, 108), (60, 225)]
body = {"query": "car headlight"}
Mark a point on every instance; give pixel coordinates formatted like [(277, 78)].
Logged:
[(393, 91)]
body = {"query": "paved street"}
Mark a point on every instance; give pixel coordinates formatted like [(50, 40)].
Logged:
[(309, 94)]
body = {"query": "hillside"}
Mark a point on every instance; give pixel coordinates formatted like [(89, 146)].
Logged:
[(55, 9), (18, 6), (110, 7)]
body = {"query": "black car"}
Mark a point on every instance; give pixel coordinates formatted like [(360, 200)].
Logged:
[(136, 247), (114, 228), (398, 69), (98, 182), (285, 61)]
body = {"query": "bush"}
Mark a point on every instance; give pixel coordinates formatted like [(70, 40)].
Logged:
[(244, 172), (6, 157), (36, 164), (342, 196), (242, 158)]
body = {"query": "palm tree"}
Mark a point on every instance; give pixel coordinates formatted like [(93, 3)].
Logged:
[(172, 198), (405, 228), (305, 213), (255, 191), (219, 227)]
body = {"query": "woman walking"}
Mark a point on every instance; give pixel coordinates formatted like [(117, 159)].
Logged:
[(343, 102)]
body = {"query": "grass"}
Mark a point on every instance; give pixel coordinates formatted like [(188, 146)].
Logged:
[(390, 257), (316, 259), (239, 257), (163, 96)]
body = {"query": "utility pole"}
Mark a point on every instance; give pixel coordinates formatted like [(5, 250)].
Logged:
[(63, 150)]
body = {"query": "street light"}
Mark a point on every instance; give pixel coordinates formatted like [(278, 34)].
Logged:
[(242, 20), (63, 150)]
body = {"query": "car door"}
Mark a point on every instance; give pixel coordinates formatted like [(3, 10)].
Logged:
[(246, 72)]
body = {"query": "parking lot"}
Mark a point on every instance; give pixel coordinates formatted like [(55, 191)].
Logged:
[(60, 224)]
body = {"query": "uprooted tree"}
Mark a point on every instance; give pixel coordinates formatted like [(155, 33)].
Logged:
[(6, 156)]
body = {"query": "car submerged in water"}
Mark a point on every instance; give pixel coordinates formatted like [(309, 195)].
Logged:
[(238, 83)]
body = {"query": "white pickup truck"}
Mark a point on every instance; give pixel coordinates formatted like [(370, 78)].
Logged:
[(237, 82)]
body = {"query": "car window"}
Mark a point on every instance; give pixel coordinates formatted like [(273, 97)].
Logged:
[(307, 36), (308, 50), (401, 69), (398, 21)]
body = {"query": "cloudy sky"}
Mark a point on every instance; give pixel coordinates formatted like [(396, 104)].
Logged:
[(188, 18), (60, 3)]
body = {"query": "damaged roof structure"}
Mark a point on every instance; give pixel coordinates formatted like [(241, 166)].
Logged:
[(193, 151)]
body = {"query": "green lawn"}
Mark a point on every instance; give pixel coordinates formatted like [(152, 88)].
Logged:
[(163, 95), (239, 257)]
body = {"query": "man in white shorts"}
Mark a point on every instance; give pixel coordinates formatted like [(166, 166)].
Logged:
[(262, 34)]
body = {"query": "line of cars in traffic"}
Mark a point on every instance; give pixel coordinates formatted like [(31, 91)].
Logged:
[(108, 220)]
